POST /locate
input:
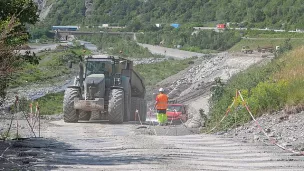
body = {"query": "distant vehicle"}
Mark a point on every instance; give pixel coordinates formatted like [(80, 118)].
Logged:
[(246, 49), (175, 25), (221, 26), (265, 49), (177, 112), (65, 28)]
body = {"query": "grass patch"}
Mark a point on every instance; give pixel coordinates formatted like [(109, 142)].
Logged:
[(254, 43), (51, 103), (293, 73), (197, 49), (52, 65), (156, 72), (272, 34)]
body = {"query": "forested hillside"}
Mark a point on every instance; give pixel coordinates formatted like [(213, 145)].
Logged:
[(258, 13)]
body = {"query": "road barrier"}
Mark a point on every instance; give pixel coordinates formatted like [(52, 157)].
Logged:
[(34, 118), (31, 118), (226, 114), (137, 116)]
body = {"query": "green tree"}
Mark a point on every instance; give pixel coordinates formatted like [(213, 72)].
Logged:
[(14, 15), (24, 12)]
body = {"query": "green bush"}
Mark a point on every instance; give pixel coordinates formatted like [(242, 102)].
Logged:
[(267, 96)]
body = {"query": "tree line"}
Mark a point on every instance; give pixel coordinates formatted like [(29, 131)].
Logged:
[(192, 41), (15, 15), (284, 14)]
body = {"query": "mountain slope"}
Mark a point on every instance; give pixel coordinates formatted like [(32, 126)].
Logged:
[(261, 13)]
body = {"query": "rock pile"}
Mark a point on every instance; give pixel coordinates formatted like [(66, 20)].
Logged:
[(287, 129)]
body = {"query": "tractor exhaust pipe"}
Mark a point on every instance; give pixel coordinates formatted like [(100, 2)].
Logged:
[(80, 74)]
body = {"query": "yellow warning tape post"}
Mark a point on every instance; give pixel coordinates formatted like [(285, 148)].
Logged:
[(226, 113)]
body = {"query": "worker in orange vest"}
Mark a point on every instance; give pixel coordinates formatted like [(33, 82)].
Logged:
[(161, 104)]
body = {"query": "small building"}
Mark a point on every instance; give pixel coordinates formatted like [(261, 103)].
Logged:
[(66, 28), (158, 25)]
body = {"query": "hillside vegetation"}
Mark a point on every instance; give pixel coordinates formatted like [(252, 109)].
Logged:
[(260, 13), (275, 86), (119, 45), (52, 65), (197, 41)]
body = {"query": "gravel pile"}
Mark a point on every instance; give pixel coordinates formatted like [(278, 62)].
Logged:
[(137, 61), (287, 129), (195, 81), (192, 86)]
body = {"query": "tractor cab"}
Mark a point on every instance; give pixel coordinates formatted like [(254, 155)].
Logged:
[(99, 66)]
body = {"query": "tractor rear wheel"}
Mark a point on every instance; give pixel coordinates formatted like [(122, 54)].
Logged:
[(116, 106), (70, 115)]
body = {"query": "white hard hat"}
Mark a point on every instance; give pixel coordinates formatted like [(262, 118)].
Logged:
[(161, 90)]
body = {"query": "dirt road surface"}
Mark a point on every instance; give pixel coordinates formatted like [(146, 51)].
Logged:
[(101, 146), (38, 48), (169, 52), (130, 146)]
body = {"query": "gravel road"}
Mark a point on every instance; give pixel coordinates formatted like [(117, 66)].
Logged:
[(38, 48), (101, 146), (169, 52)]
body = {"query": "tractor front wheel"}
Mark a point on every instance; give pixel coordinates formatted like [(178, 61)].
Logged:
[(69, 113)]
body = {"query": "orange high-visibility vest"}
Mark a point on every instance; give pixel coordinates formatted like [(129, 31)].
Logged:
[(162, 101)]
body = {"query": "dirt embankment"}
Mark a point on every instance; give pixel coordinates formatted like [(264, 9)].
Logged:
[(192, 86)]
